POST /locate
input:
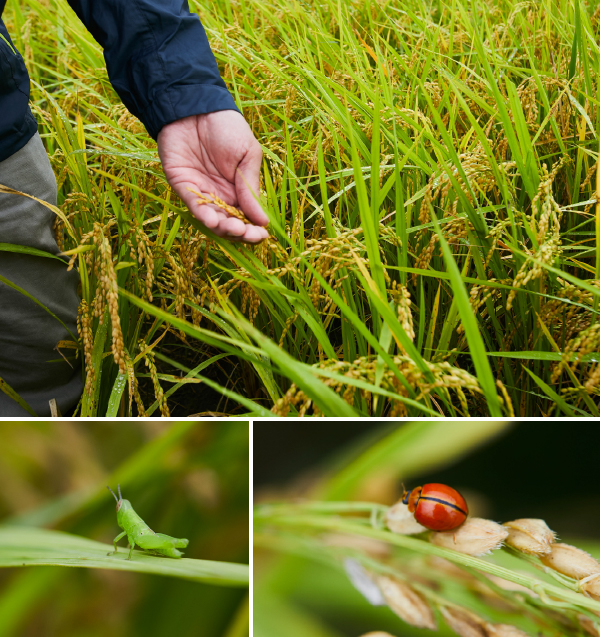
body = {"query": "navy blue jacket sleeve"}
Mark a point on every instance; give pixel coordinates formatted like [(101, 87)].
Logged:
[(158, 58)]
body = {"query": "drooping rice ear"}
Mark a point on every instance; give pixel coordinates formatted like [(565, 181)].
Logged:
[(406, 603), (571, 561), (399, 519), (531, 536), (504, 630), (475, 537), (464, 623)]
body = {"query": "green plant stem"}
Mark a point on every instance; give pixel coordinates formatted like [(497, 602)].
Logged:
[(268, 510)]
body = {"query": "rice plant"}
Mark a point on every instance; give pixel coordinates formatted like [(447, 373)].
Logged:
[(430, 174)]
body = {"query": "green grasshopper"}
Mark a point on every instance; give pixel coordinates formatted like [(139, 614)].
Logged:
[(138, 532)]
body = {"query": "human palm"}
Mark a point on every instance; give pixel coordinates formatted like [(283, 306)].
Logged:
[(216, 153)]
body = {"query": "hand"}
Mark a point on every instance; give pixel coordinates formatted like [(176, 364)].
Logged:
[(215, 153)]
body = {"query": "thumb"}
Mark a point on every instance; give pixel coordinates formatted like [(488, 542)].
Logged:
[(247, 186)]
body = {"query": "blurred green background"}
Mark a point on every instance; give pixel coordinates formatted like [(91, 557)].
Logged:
[(186, 479), (543, 469)]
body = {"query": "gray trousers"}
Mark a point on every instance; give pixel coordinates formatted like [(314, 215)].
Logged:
[(29, 360)]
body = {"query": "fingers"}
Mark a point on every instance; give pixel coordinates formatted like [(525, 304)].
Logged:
[(247, 185), (236, 230), (218, 220), (254, 234), (232, 228), (213, 217), (208, 215)]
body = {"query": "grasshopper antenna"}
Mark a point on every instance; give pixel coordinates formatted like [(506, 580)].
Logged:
[(120, 496), (113, 493)]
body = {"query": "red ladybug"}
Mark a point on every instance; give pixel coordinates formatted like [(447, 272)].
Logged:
[(436, 506)]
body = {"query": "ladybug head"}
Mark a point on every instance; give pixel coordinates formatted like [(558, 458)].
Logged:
[(411, 498), (405, 494)]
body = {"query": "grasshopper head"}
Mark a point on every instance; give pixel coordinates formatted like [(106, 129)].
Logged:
[(121, 504)]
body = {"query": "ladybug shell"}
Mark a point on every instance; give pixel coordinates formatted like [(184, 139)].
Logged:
[(437, 507)]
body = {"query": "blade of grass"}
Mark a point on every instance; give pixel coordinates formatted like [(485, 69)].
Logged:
[(11, 393)]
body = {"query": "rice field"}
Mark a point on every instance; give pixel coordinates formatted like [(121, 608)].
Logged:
[(430, 174)]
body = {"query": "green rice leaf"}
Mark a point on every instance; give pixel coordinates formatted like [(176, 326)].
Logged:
[(27, 546)]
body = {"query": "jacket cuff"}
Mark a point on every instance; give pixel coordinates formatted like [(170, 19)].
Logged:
[(182, 101)]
